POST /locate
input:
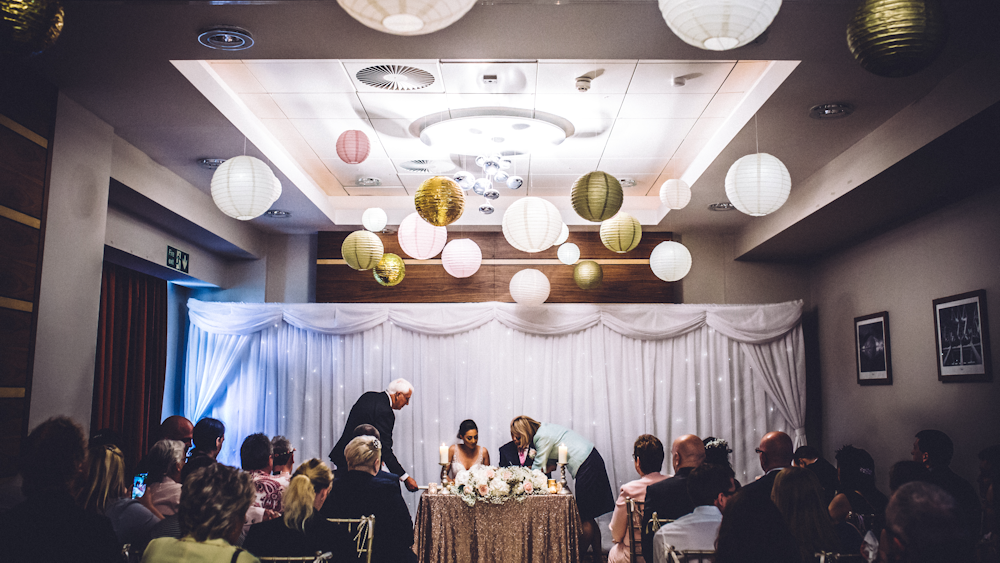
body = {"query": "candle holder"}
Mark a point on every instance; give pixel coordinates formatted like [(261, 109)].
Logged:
[(563, 488), (444, 474)]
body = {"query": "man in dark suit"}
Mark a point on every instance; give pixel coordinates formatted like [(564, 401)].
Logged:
[(775, 452), (809, 458), (669, 498), (510, 455), (375, 408), (935, 449)]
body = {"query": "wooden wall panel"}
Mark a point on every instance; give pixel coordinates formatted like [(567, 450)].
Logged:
[(13, 417), (15, 340), (18, 256), (22, 173)]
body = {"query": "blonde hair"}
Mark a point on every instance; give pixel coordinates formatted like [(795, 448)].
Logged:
[(363, 451), (214, 500), (524, 428), (106, 481), (308, 480)]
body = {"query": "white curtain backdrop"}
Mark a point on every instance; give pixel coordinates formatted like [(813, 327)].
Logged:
[(610, 372)]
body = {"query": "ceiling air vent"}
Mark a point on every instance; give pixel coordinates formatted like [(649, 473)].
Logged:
[(395, 77), (422, 166)]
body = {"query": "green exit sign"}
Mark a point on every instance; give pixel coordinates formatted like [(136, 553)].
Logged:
[(177, 259)]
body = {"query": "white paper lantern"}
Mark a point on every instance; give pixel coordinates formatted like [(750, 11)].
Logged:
[(529, 287), (532, 224), (718, 25), (419, 239), (407, 17), (374, 219), (670, 261), (461, 258), (758, 184), (568, 253), (244, 188), (675, 194), (563, 235)]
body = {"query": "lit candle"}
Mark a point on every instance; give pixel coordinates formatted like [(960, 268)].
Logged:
[(563, 451), (443, 450)]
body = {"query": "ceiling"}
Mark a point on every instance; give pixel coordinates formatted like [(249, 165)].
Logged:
[(131, 64)]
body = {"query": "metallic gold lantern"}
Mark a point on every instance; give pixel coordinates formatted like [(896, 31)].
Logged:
[(362, 250), (621, 233), (895, 38), (588, 274), (29, 26), (440, 201), (390, 270), (597, 196)]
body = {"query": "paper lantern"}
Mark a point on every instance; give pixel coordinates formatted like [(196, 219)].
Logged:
[(531, 224), (390, 270), (675, 194), (563, 235), (670, 261), (461, 258), (529, 287), (439, 201), (758, 184), (243, 187), (621, 233), (597, 196), (29, 26), (588, 274), (718, 25), (353, 146), (412, 17), (362, 250), (419, 239), (568, 253), (895, 38), (374, 219)]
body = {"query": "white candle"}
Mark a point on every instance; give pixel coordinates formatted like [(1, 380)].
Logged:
[(563, 451), (443, 450)]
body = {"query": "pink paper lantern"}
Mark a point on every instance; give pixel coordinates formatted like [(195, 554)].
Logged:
[(353, 147), (461, 258), (419, 239)]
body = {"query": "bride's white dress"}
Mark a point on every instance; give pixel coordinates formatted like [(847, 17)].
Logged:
[(457, 466)]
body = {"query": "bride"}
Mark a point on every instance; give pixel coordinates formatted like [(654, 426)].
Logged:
[(467, 453)]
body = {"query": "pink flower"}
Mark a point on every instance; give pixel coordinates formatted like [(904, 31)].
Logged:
[(505, 475), (490, 474), (483, 490), (528, 487)]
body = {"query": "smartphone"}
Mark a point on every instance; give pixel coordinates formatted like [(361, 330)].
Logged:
[(139, 485)]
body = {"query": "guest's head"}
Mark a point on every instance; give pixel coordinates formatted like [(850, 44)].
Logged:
[(798, 495), (283, 454), (522, 430), (165, 459), (208, 436), (903, 472), (933, 448), (468, 432), (805, 455), (53, 456), (775, 451), (687, 451), (367, 430), (255, 453), (717, 451), (989, 463), (648, 454), (855, 469), (711, 484), (364, 453), (923, 526), (105, 480), (104, 437), (306, 493), (753, 531), (400, 391), (177, 428), (214, 503)]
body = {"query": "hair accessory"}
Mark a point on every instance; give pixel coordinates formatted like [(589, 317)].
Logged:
[(376, 444), (865, 470)]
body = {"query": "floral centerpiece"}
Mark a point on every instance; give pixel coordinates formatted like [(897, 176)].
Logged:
[(497, 485)]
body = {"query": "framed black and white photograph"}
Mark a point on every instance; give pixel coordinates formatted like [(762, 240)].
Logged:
[(963, 341), (871, 344)]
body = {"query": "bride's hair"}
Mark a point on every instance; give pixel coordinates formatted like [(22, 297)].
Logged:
[(524, 428), (467, 424)]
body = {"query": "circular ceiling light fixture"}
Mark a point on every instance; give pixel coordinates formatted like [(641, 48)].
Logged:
[(493, 134), (226, 38), (395, 77), (831, 111), (413, 17)]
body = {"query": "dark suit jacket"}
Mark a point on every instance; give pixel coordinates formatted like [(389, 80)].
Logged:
[(357, 494), (827, 475), (965, 496), (274, 539), (51, 527), (669, 499), (372, 408), (508, 456), (761, 488)]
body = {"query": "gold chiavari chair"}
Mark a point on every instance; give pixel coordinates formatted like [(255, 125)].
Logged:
[(318, 558), (690, 556), (633, 511), (363, 537)]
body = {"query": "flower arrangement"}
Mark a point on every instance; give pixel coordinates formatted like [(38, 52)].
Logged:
[(497, 485)]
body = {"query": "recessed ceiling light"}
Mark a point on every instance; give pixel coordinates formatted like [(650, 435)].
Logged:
[(722, 206), (226, 38), (278, 214), (369, 182), (626, 182), (211, 163), (831, 111)]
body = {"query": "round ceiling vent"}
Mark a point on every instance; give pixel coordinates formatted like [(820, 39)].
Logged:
[(422, 166), (395, 77), (226, 38)]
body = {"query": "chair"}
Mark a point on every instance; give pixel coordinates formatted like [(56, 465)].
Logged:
[(633, 511), (827, 557), (655, 523), (318, 558), (364, 536), (690, 556)]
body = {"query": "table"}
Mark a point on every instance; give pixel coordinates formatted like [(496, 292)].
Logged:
[(540, 529)]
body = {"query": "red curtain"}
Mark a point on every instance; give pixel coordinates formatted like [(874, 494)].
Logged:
[(131, 359)]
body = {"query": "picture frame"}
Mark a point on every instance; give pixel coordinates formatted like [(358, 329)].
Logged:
[(872, 352), (962, 338)]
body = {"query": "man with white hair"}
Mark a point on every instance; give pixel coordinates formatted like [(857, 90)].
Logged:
[(375, 408)]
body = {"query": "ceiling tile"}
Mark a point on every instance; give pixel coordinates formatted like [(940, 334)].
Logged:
[(467, 78), (262, 106), (322, 176), (563, 182), (237, 76), (354, 66), (702, 77), (607, 77), (632, 166), (643, 184), (573, 166), (386, 191), (402, 105), (646, 138), (322, 134), (576, 107), (466, 101), (660, 106), (348, 174), (744, 75), (282, 129), (722, 105), (705, 127), (344, 105), (301, 76), (412, 181), (589, 140)]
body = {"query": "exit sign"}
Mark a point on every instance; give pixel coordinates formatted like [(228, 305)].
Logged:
[(177, 259)]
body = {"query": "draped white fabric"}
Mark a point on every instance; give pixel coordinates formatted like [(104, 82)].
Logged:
[(610, 372)]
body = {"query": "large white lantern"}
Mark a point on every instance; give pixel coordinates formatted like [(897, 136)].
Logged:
[(718, 25), (461, 257), (563, 235), (532, 224), (568, 253), (758, 184), (407, 17), (529, 287), (419, 239), (670, 261), (675, 194), (374, 219), (243, 187)]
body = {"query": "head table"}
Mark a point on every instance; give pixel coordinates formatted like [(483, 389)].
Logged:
[(539, 529)]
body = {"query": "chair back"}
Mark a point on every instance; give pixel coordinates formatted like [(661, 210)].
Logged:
[(633, 511), (828, 557), (318, 558), (364, 535), (690, 556), (655, 523)]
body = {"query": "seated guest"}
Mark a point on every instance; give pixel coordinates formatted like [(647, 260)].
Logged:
[(383, 473), (207, 437), (105, 493), (302, 530), (177, 428), (647, 452), (669, 498), (906, 471), (799, 497), (858, 501), (989, 463), (468, 453), (358, 494), (49, 525), (284, 460), (753, 531), (809, 458), (775, 454), (923, 524), (165, 462), (257, 460), (710, 487), (935, 449), (213, 507), (717, 453)]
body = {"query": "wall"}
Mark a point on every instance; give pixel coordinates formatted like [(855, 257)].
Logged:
[(291, 269)]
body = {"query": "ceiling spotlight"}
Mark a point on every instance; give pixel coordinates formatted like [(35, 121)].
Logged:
[(626, 182), (368, 182), (211, 163), (278, 214), (721, 206), (831, 111), (226, 38)]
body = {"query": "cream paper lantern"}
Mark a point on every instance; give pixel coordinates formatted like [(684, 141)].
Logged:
[(374, 219), (670, 261), (675, 194), (419, 239), (568, 253), (563, 235), (758, 184), (529, 287), (532, 224), (621, 233), (362, 250), (718, 25), (461, 258), (407, 17), (243, 187)]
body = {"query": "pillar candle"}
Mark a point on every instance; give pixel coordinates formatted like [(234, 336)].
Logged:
[(443, 450), (562, 453)]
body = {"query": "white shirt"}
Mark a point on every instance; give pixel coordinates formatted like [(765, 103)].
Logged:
[(697, 531)]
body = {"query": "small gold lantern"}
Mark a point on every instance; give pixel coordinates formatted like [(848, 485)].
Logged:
[(439, 201), (362, 250), (621, 233), (896, 38), (588, 274), (29, 26), (597, 196), (390, 270)]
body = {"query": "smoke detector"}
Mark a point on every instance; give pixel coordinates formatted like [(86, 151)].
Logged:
[(226, 38), (583, 83), (395, 77)]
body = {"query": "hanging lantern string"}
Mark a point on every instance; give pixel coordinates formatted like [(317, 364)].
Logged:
[(755, 131)]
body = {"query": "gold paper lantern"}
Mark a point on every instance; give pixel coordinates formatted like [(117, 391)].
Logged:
[(390, 270), (362, 250), (621, 233), (440, 201), (895, 38), (597, 196), (29, 26), (588, 274)]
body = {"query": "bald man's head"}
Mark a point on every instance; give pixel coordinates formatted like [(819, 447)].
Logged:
[(775, 451), (177, 428), (688, 451)]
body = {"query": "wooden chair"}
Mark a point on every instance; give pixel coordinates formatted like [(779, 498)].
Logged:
[(690, 556), (363, 537), (633, 511)]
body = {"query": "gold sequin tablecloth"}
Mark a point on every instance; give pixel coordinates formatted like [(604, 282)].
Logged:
[(541, 529)]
